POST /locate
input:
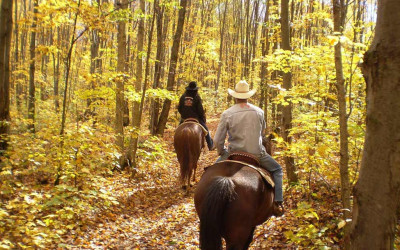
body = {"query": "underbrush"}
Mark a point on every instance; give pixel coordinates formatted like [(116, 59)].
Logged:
[(50, 184)]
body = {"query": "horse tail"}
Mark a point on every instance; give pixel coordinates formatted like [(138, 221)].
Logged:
[(185, 166), (190, 150), (219, 194), (185, 156)]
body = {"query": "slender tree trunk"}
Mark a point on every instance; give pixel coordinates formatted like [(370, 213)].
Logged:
[(5, 46), (155, 104), (172, 67), (43, 69), (56, 76), (246, 48), (31, 98), (121, 61), (139, 65), (221, 47), (254, 40), (66, 88), (287, 84), (134, 140), (67, 70), (377, 191), (22, 92), (264, 64), (131, 154), (94, 65), (16, 56), (338, 5)]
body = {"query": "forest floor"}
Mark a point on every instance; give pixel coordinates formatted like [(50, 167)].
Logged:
[(155, 213)]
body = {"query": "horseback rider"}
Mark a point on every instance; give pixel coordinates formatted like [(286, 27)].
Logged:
[(244, 123), (190, 106)]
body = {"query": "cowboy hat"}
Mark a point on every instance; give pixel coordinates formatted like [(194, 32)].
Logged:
[(192, 86), (242, 90)]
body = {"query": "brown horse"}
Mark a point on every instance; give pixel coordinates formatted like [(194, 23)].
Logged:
[(188, 142), (231, 199)]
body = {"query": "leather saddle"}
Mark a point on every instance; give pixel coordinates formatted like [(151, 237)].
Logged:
[(194, 120), (245, 157), (251, 161)]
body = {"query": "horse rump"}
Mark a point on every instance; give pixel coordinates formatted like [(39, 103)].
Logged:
[(187, 144), (219, 194)]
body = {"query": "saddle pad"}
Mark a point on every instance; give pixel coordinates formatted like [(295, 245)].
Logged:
[(204, 130), (264, 173)]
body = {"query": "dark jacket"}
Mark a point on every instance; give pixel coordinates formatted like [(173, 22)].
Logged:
[(190, 106)]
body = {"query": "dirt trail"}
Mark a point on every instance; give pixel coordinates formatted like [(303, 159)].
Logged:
[(155, 213)]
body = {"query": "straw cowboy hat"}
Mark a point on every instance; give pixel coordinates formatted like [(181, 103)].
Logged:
[(242, 90)]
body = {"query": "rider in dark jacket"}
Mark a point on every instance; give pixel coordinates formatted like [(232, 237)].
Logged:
[(190, 106)]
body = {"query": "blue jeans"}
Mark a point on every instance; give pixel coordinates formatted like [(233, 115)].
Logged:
[(268, 163), (208, 136)]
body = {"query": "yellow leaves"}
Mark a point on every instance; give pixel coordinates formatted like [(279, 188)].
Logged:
[(6, 244), (3, 214), (333, 40), (28, 200), (345, 41), (341, 224)]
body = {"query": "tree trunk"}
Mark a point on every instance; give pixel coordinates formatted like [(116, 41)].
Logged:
[(121, 61), (94, 65), (254, 40), (287, 84), (221, 37), (67, 70), (264, 64), (339, 17), (5, 45), (139, 65), (155, 104), (377, 192), (31, 97), (247, 47), (135, 139), (172, 67), (56, 75), (16, 57)]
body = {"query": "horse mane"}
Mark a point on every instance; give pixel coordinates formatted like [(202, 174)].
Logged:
[(219, 194)]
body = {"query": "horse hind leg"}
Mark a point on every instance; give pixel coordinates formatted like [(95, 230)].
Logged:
[(250, 239), (241, 239), (194, 174)]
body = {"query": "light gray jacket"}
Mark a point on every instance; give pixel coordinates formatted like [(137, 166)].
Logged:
[(244, 124)]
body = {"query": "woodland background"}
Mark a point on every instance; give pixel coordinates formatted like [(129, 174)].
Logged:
[(87, 157)]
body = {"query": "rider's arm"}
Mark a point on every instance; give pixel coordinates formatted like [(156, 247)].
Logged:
[(220, 134), (200, 109), (181, 103), (263, 126)]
